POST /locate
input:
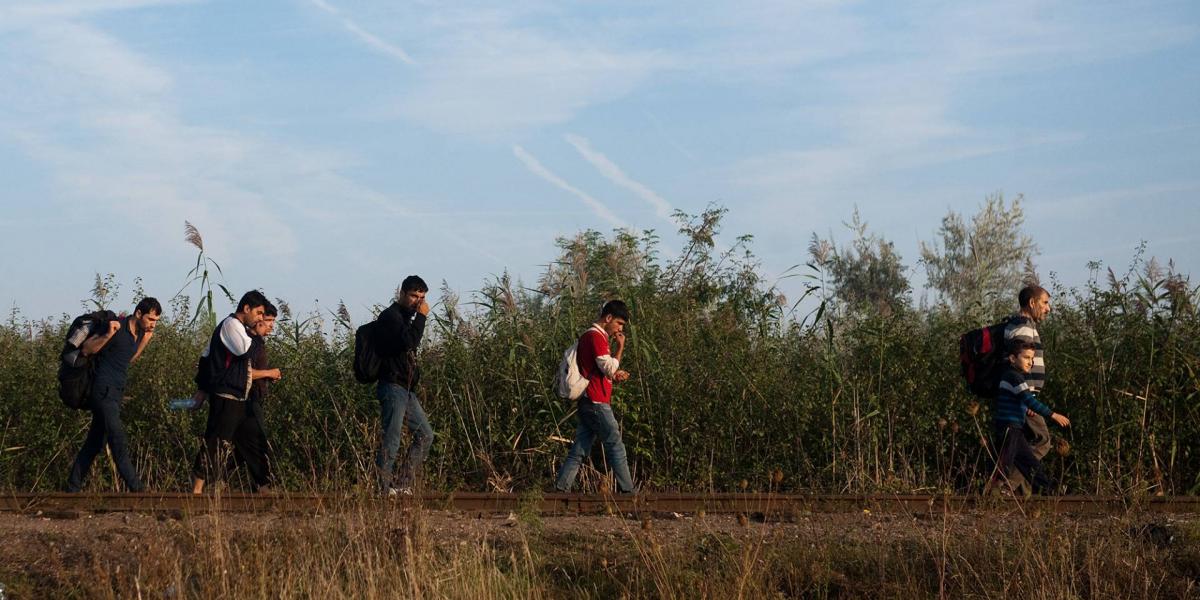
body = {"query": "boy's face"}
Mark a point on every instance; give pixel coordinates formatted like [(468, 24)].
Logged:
[(612, 325), (265, 327), (1023, 360)]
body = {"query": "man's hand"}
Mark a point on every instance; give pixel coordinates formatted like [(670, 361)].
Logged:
[(619, 339), (423, 308), (198, 399), (274, 374), (96, 342), (621, 376), (1062, 420), (1029, 412)]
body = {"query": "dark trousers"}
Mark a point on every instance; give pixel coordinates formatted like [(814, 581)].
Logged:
[(105, 403), (233, 436), (1016, 452)]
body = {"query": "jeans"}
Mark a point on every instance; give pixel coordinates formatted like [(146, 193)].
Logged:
[(596, 421), (1038, 435), (1015, 451), (105, 403), (399, 407)]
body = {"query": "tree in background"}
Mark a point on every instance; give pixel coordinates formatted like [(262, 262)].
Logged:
[(978, 267), (868, 274)]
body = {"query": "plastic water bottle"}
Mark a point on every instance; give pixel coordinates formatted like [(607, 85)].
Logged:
[(177, 404)]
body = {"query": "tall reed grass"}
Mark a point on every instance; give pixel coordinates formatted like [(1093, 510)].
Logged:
[(731, 383)]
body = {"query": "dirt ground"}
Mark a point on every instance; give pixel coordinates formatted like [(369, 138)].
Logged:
[(41, 552)]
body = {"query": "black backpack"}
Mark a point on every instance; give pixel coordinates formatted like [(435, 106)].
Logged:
[(981, 358), (366, 357), (75, 371)]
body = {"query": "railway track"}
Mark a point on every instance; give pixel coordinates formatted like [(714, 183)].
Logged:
[(759, 504)]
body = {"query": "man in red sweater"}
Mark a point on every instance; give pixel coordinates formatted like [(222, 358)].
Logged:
[(599, 359)]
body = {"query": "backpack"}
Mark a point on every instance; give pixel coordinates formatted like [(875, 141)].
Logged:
[(981, 358), (568, 381), (366, 358), (75, 371)]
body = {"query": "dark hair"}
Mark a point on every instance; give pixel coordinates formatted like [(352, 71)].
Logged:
[(1020, 347), (253, 299), (412, 283), (269, 310), (1029, 292), (148, 305), (617, 309)]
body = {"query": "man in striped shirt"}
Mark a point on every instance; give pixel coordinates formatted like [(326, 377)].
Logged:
[(1023, 329), (1014, 399)]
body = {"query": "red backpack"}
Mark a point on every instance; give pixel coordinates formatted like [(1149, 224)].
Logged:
[(981, 358)]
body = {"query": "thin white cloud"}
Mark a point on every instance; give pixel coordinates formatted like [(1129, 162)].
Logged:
[(899, 105), (20, 14), (537, 168), (365, 36), (616, 175)]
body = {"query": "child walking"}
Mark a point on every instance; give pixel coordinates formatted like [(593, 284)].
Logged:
[(1013, 399)]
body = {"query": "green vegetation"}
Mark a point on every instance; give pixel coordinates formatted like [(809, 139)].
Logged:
[(853, 388)]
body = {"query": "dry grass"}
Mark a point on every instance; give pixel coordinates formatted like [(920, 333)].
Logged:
[(365, 552)]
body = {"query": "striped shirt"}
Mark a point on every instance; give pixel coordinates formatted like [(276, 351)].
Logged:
[(1023, 329), (1013, 397)]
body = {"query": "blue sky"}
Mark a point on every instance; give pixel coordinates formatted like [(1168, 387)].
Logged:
[(327, 148)]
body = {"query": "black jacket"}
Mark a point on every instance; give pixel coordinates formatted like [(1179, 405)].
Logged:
[(222, 372), (397, 337)]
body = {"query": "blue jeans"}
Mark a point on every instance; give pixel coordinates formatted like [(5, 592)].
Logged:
[(399, 407), (596, 421), (105, 403)]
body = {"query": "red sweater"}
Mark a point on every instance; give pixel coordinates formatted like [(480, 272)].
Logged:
[(592, 345)]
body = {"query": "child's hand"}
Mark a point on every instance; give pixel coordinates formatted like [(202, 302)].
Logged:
[(1062, 420)]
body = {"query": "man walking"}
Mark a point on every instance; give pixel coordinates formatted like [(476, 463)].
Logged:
[(225, 377), (114, 350), (250, 446), (1022, 329), (598, 354), (398, 334)]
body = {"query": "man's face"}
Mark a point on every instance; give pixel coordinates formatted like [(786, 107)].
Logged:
[(148, 321), (265, 327), (252, 316), (612, 325), (1039, 308), (412, 299), (1023, 360)]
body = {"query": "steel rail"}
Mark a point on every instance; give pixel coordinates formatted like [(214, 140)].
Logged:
[(760, 505)]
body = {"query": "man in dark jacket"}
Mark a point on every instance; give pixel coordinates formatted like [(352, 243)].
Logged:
[(250, 446), (115, 348), (398, 334), (225, 377)]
